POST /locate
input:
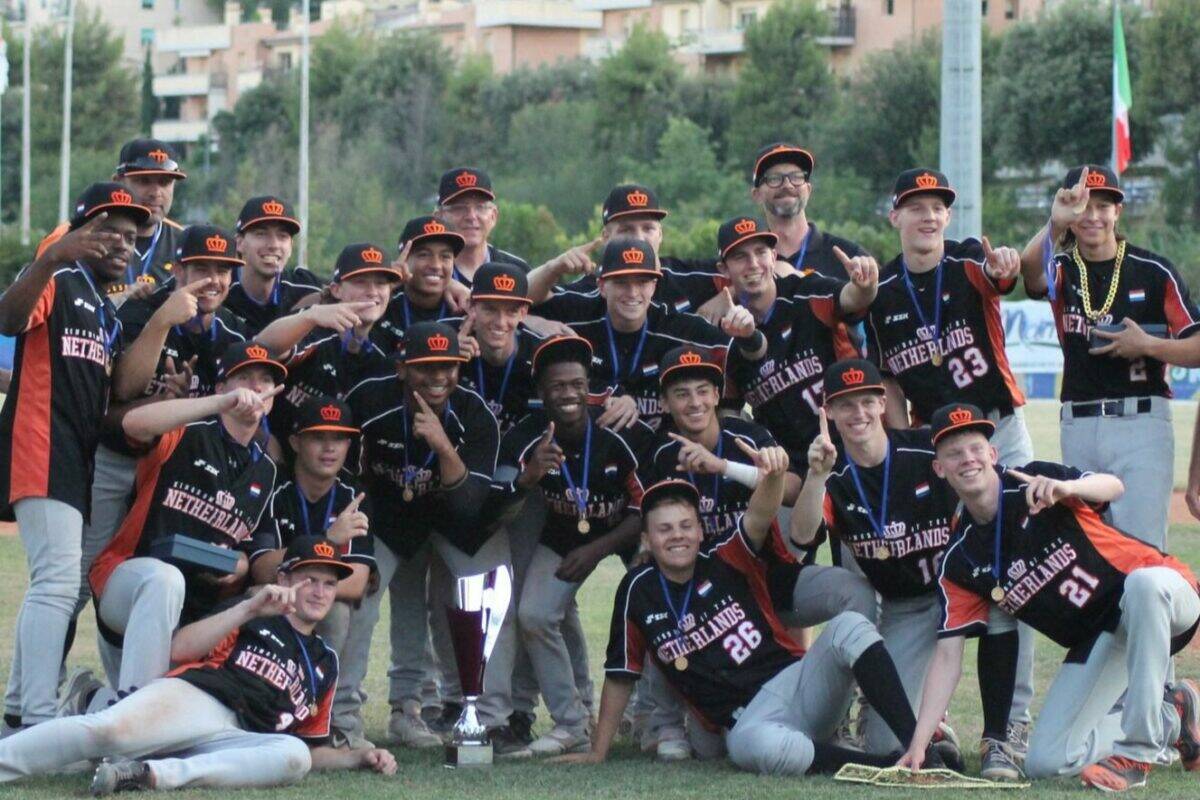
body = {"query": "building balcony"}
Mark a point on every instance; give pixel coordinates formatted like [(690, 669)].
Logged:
[(182, 85), (598, 48), (713, 42), (192, 40), (534, 14), (178, 130), (843, 27), (611, 5)]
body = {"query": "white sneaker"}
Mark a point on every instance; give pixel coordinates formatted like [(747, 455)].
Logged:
[(559, 741), (672, 747), (407, 729), (77, 690)]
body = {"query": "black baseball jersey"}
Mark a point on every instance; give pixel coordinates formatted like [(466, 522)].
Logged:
[(494, 256), (395, 459), (816, 253), (508, 389), (1062, 570), (324, 365), (613, 488), (919, 511), (199, 482), (635, 370), (292, 286), (290, 514), (153, 257), (974, 367), (388, 331), (62, 367), (729, 641), (271, 676), (785, 387), (1149, 291)]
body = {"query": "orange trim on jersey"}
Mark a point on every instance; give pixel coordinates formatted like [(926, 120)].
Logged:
[(635, 647), (1176, 312), (963, 607), (825, 310), (995, 329), (44, 306), (1123, 552), (633, 486), (52, 237), (828, 512), (842, 347), (29, 471), (736, 553), (215, 658), (778, 548), (317, 726), (124, 544)]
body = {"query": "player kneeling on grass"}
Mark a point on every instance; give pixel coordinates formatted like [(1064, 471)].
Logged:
[(1031, 545), (249, 707), (708, 621)]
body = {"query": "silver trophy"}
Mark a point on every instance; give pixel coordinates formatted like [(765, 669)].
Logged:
[(481, 602)]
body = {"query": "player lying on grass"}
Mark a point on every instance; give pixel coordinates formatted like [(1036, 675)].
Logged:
[(249, 706), (708, 621), (1031, 544)]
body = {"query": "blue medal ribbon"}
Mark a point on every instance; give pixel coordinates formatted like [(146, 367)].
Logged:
[(310, 673), (503, 381), (409, 470), (616, 359), (408, 312), (936, 327), (147, 257), (683, 607), (716, 478), (304, 510), (581, 496), (798, 259), (877, 524), (109, 334)]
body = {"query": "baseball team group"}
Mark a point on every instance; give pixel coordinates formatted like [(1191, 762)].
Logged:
[(234, 462)]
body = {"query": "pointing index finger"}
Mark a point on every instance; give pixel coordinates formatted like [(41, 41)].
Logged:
[(195, 287), (1021, 476), (747, 449), (823, 421), (842, 257), (988, 252), (354, 504)]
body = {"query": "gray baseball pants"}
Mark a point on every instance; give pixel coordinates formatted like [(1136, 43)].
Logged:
[(142, 601)]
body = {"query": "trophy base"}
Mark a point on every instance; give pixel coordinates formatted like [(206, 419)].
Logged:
[(468, 755)]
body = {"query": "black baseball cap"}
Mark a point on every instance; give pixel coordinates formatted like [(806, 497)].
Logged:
[(324, 413), (1099, 179), (430, 343), (356, 259), (631, 199), (245, 354), (852, 375), (305, 551), (106, 196), (149, 157), (669, 489), (207, 243), (626, 256), (561, 349), (687, 361), (427, 228), (922, 181), (957, 417), (268, 208), (740, 230), (500, 282), (463, 180), (780, 153)]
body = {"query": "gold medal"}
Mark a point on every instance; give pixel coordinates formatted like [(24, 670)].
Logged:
[(312, 709), (997, 594), (408, 494), (584, 526), (681, 663), (936, 359), (882, 552)]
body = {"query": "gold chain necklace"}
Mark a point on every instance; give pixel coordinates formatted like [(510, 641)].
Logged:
[(1085, 295)]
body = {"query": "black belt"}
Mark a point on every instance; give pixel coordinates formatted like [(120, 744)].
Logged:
[(1108, 408)]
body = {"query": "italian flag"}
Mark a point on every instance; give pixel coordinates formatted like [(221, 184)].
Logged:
[(1122, 96)]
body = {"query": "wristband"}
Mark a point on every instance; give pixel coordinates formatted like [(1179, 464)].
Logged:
[(751, 343), (745, 474)]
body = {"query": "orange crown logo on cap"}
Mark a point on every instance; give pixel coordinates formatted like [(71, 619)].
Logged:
[(434, 227), (1096, 179), (633, 256), (465, 180), (323, 550), (745, 226), (438, 343), (272, 207), (158, 155), (257, 351), (851, 377), (637, 198), (216, 244), (960, 415), (372, 256), (927, 181), (690, 359), (122, 197), (504, 283), (331, 413)]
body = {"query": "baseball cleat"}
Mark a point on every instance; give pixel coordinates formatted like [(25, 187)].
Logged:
[(521, 724), (1018, 740), (998, 763), (407, 729), (77, 691), (507, 744), (444, 722), (559, 741), (1115, 774), (1185, 694), (121, 776), (673, 746)]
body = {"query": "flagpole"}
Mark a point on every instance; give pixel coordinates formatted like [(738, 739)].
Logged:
[(1112, 128), (64, 159)]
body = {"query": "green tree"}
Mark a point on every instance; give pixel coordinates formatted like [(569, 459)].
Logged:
[(634, 87), (785, 85)]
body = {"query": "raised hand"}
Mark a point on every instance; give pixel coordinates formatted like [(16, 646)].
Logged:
[(341, 317), (457, 297), (821, 453), (246, 402), (738, 322), (86, 243), (547, 455), (619, 412), (1002, 263), (177, 382), (695, 457), (769, 460), (717, 307), (468, 345), (349, 524), (578, 259), (428, 426), (863, 270), (1069, 204), (1041, 491), (401, 263), (273, 600)]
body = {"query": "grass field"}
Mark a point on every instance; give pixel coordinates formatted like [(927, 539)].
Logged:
[(629, 775)]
